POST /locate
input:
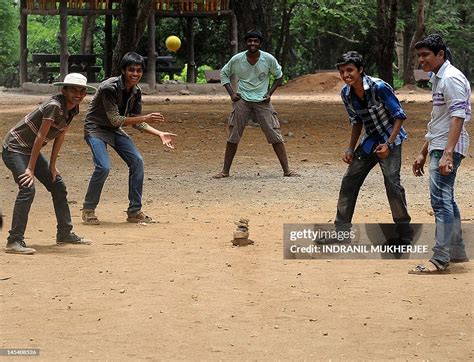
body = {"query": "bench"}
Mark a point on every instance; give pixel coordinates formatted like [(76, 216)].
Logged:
[(166, 64), (77, 63), (212, 76)]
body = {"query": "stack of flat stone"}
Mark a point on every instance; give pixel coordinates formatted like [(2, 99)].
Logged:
[(241, 234)]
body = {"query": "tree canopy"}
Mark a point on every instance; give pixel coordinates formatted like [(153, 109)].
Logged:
[(304, 35)]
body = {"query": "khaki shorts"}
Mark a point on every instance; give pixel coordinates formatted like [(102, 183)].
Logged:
[(262, 113)]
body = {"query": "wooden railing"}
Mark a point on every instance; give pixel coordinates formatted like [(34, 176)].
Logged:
[(78, 63), (71, 4), (192, 5), (162, 5)]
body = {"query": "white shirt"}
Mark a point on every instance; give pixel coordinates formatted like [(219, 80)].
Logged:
[(451, 98)]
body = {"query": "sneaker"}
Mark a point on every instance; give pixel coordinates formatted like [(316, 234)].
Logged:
[(19, 247), (72, 238), (140, 217)]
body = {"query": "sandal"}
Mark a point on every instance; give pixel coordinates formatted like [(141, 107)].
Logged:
[(140, 217), (89, 217), (421, 269), (291, 174), (221, 174)]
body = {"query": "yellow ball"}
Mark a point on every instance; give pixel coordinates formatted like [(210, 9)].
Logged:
[(173, 43)]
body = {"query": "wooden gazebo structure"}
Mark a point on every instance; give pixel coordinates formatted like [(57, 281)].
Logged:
[(188, 9)]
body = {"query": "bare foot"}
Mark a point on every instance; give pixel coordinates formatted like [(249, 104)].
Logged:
[(221, 174)]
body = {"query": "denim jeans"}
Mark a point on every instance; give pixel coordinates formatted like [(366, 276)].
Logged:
[(17, 163), (125, 148), (355, 176), (449, 243)]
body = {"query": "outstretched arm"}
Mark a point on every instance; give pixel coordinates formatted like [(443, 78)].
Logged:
[(166, 137), (148, 118)]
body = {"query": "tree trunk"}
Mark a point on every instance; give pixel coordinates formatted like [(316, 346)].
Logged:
[(387, 13), (399, 48), (87, 35), (254, 14), (283, 48), (408, 77), (133, 23), (281, 35)]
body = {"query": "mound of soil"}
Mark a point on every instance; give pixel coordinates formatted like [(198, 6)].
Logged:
[(314, 83)]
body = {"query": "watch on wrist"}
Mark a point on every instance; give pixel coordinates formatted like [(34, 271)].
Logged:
[(390, 145)]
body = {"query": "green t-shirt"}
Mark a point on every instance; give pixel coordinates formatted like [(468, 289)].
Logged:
[(253, 79)]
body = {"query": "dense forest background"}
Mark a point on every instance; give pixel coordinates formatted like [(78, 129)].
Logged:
[(304, 35)]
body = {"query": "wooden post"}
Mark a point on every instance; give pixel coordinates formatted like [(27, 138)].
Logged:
[(108, 47), (234, 34), (234, 44), (151, 65), (23, 44), (62, 37), (191, 72)]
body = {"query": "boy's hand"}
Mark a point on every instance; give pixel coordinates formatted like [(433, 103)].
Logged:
[(418, 165), (445, 165), (382, 151), (27, 178), (348, 156), (154, 118), (54, 173), (235, 97), (167, 139)]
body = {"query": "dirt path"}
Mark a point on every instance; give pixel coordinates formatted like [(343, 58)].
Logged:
[(180, 290)]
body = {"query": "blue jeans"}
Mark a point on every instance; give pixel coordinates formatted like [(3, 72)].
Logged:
[(128, 152), (355, 176), (449, 243), (17, 163)]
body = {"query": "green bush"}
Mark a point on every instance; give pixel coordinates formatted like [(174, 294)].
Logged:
[(9, 49)]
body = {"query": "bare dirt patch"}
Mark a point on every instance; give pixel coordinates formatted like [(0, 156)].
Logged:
[(314, 83), (180, 290)]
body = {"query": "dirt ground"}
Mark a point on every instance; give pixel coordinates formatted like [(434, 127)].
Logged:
[(178, 289)]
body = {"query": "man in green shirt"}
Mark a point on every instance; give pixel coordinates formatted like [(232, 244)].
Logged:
[(252, 100)]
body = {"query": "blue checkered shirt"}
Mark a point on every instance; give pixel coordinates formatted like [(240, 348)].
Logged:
[(380, 112)]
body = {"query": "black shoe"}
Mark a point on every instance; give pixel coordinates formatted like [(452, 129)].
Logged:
[(72, 238)]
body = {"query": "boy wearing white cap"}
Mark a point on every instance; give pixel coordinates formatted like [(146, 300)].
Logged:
[(21, 154)]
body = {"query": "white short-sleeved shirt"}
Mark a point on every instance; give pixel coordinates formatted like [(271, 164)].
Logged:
[(451, 98), (253, 78)]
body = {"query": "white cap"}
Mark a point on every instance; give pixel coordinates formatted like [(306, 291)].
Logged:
[(76, 80)]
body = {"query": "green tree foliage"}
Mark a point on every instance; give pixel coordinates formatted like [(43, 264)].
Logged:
[(322, 30), (306, 35), (43, 33), (454, 19), (9, 43), (212, 41), (43, 37)]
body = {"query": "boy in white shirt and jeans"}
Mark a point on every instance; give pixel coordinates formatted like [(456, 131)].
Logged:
[(447, 143)]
